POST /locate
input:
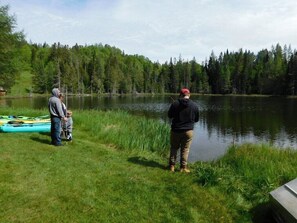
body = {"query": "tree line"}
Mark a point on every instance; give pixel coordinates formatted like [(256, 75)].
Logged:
[(98, 68), (11, 43)]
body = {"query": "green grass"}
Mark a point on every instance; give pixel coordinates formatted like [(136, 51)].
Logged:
[(125, 131), (246, 175), (114, 171), (88, 181)]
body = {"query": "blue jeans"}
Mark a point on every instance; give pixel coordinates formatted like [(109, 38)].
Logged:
[(56, 131)]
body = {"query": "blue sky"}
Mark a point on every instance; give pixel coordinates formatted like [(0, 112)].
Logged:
[(160, 29)]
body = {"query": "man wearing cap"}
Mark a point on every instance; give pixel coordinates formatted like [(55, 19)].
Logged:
[(184, 113), (56, 113)]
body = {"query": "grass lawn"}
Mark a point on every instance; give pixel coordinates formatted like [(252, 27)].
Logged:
[(86, 181), (114, 171)]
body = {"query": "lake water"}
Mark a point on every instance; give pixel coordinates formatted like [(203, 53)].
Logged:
[(224, 120)]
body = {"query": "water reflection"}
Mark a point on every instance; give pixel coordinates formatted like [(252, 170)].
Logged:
[(223, 121)]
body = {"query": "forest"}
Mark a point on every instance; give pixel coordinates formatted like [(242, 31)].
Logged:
[(101, 68)]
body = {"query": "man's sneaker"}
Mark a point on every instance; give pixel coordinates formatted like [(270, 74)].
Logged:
[(171, 168), (185, 170)]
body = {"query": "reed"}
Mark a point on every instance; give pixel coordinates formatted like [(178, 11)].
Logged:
[(246, 175), (125, 131), (119, 128)]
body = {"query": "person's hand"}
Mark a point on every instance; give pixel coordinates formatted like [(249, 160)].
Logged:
[(65, 119)]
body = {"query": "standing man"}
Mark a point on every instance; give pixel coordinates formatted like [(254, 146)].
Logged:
[(56, 113), (184, 113)]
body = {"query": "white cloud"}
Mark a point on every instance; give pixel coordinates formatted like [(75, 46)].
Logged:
[(161, 29)]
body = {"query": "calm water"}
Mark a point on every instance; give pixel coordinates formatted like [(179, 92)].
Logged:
[(223, 120)]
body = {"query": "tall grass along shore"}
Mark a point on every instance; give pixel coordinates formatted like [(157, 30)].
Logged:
[(114, 171)]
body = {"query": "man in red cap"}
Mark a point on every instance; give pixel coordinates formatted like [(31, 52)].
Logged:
[(184, 113)]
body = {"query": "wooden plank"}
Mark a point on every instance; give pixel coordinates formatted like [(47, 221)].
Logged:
[(284, 200)]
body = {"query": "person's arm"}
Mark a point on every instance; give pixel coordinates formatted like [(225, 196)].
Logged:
[(172, 109), (60, 110), (169, 114)]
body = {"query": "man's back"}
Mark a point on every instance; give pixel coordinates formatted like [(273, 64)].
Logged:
[(184, 113)]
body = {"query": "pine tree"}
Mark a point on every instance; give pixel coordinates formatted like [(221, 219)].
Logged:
[(10, 49)]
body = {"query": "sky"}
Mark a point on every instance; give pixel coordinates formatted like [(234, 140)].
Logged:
[(160, 29)]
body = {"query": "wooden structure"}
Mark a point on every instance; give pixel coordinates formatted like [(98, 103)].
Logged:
[(284, 202), (2, 91)]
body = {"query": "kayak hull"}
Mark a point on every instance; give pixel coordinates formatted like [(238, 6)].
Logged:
[(36, 127)]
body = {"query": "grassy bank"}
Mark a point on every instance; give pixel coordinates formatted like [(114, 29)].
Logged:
[(246, 175), (114, 171), (23, 85)]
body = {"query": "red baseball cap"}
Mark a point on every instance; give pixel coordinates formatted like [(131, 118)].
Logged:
[(184, 91)]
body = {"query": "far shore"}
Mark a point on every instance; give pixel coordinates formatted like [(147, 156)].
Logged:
[(8, 96)]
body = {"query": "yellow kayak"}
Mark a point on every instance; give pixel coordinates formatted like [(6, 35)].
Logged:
[(11, 119)]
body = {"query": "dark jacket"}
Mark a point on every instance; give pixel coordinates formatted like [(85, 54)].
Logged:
[(184, 113)]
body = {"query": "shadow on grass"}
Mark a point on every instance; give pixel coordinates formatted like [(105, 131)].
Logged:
[(145, 162), (45, 133), (263, 213), (44, 141)]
